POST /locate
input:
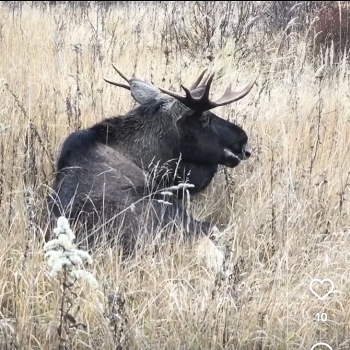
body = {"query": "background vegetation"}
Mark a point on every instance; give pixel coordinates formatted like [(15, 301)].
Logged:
[(288, 206)]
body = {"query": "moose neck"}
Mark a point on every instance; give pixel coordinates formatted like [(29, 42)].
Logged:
[(149, 137), (146, 135)]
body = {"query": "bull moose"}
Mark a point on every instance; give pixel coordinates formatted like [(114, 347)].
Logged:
[(125, 176)]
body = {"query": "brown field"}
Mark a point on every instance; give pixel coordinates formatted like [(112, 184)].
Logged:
[(288, 206)]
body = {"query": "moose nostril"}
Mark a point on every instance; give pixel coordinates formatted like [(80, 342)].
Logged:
[(246, 150)]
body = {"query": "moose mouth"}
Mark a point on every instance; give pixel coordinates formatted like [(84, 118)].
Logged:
[(232, 159)]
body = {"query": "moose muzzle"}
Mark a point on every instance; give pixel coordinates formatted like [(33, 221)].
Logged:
[(246, 151)]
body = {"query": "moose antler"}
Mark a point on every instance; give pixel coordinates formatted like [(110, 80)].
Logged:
[(119, 84), (203, 103), (141, 90), (199, 81), (201, 85)]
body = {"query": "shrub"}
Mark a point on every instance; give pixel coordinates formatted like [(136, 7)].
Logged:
[(331, 27)]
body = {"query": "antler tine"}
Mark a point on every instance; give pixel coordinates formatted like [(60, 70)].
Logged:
[(198, 81), (205, 95), (203, 103), (120, 73), (175, 95), (204, 81), (119, 84), (197, 104), (205, 88), (230, 96)]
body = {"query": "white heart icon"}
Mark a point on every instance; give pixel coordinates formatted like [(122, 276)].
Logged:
[(319, 281), (319, 344)]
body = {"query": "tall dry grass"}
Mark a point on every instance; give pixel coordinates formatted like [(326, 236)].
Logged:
[(288, 205)]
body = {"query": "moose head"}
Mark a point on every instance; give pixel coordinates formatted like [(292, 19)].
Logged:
[(199, 135)]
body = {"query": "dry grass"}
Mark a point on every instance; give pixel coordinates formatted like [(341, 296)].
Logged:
[(289, 205)]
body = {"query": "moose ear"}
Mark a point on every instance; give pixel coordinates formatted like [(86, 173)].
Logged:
[(141, 91)]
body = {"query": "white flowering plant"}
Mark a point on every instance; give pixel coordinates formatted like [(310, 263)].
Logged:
[(63, 255), (66, 260)]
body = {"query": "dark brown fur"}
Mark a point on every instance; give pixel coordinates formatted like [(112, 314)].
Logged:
[(115, 170)]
